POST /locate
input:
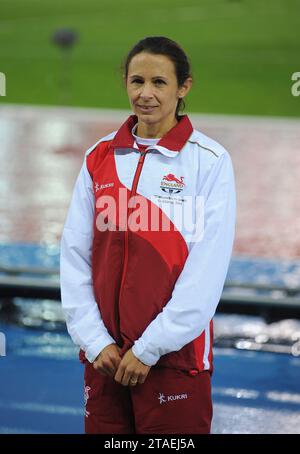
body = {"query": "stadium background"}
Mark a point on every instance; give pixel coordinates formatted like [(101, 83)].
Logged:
[(243, 55)]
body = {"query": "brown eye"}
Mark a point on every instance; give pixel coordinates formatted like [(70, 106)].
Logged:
[(160, 81), (137, 81)]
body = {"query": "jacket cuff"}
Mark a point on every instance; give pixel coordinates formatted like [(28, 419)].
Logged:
[(96, 347), (148, 358)]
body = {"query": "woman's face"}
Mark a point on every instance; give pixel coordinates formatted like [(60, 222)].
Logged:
[(153, 89)]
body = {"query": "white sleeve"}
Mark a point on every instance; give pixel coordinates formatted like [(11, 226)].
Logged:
[(84, 322), (198, 289)]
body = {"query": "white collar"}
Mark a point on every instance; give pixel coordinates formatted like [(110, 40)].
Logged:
[(143, 140), (152, 143)]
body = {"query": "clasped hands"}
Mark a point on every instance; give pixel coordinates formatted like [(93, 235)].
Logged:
[(128, 371)]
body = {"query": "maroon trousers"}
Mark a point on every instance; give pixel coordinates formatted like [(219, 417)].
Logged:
[(170, 401)]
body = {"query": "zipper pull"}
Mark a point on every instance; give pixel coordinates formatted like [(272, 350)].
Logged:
[(142, 156)]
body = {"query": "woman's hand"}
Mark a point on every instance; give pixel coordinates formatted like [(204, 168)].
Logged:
[(131, 370), (107, 362)]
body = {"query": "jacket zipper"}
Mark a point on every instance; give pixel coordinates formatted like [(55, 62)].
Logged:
[(125, 261)]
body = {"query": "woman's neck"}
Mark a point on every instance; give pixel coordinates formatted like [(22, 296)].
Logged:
[(155, 130)]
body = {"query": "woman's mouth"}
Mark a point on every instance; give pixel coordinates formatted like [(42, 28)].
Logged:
[(147, 109)]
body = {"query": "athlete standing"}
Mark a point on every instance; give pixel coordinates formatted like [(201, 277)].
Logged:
[(139, 287)]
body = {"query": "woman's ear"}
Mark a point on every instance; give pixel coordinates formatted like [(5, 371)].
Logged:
[(185, 87)]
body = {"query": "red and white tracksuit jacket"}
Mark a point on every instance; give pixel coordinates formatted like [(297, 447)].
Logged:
[(152, 289)]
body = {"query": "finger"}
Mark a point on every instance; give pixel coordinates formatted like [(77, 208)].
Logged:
[(142, 378), (119, 374), (126, 378), (116, 362), (133, 381), (100, 366), (108, 366), (96, 365), (100, 370), (104, 374), (103, 371), (109, 372)]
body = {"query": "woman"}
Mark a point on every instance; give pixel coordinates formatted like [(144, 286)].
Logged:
[(139, 289)]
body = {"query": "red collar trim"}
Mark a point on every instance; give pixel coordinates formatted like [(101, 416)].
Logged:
[(174, 140)]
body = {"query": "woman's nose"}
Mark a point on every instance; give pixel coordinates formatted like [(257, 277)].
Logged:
[(146, 91)]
